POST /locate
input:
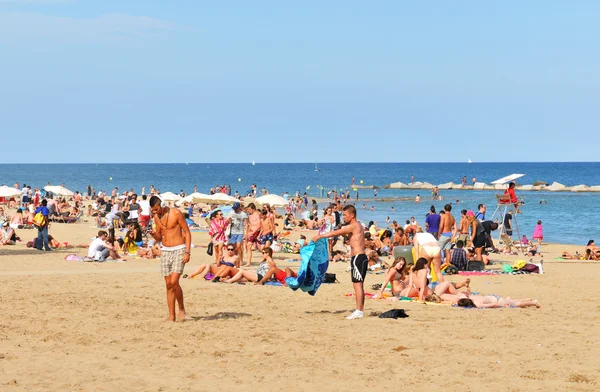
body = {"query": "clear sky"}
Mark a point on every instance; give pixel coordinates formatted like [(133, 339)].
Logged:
[(272, 81)]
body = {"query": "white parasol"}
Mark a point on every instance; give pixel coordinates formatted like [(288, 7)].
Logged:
[(169, 196), (506, 179), (272, 200), (9, 191), (221, 198), (58, 190)]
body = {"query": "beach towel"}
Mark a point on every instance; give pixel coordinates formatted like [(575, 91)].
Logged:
[(315, 261)]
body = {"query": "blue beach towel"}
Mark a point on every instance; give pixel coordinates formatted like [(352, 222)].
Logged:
[(315, 261)]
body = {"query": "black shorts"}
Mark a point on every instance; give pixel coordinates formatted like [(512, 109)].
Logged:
[(358, 267), (480, 241)]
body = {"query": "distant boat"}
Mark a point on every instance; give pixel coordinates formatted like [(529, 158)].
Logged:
[(253, 163), (317, 167), (469, 161)]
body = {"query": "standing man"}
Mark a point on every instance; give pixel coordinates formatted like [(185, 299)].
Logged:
[(481, 213), (237, 219), (252, 230), (508, 223), (43, 230), (464, 228), (359, 262), (174, 233), (447, 232), (144, 211), (432, 223)]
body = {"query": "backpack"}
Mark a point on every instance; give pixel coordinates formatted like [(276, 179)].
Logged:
[(329, 278), (39, 220)]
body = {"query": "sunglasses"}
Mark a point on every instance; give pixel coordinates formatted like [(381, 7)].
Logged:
[(230, 249)]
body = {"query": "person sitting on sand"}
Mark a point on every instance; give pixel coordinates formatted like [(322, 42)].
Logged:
[(418, 281), (458, 256), (266, 269), (223, 268), (400, 238), (8, 235), (396, 275), (99, 249), (494, 301), (17, 220), (589, 255)]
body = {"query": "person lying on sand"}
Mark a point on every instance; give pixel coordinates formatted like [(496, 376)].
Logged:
[(494, 301)]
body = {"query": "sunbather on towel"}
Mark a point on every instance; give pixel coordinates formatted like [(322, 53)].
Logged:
[(397, 276), (494, 301), (418, 281), (266, 269)]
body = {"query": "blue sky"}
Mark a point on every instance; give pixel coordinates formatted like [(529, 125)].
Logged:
[(336, 81)]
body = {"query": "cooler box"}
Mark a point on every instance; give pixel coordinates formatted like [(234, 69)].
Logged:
[(406, 252)]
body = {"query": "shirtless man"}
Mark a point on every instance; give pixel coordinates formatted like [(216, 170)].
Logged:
[(359, 261), (447, 232), (174, 233), (265, 236), (463, 232)]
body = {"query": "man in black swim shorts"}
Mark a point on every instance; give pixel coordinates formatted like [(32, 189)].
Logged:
[(359, 261)]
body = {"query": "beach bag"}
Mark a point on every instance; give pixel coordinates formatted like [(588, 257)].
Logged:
[(531, 268), (394, 313), (451, 270), (228, 231), (39, 220), (518, 265), (209, 250), (329, 278)]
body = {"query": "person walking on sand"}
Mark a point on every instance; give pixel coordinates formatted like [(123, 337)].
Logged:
[(359, 261), (174, 233)]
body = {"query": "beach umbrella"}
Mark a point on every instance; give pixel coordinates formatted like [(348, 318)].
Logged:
[(58, 190), (272, 200), (9, 191), (193, 198), (169, 196), (221, 198)]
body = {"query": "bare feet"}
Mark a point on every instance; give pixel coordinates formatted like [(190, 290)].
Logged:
[(247, 265), (181, 316)]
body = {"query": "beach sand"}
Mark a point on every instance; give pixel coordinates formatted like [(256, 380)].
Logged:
[(76, 326)]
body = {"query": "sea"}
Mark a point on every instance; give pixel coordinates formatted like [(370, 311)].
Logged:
[(565, 216)]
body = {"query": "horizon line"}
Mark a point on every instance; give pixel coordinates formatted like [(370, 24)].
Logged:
[(278, 163)]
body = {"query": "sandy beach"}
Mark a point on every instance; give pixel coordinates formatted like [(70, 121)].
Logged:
[(80, 326)]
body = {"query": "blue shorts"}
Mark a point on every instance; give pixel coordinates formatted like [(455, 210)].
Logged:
[(264, 238), (235, 239)]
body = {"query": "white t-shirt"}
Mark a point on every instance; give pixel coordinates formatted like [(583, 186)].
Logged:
[(96, 248), (145, 204)]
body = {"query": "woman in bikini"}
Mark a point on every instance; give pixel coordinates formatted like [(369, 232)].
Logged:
[(417, 283), (428, 247), (223, 268), (396, 275), (266, 270), (217, 233)]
